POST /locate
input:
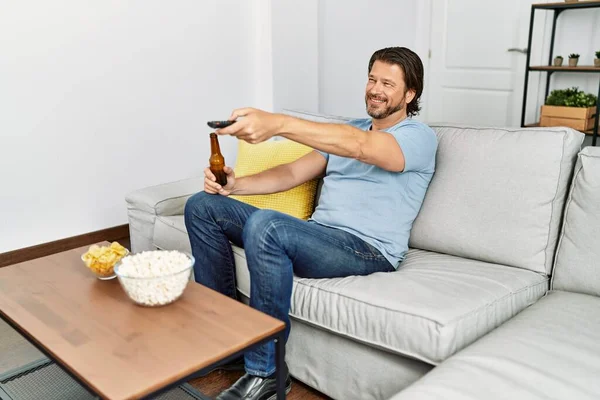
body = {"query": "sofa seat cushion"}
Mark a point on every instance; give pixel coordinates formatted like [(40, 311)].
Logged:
[(431, 307), (549, 351)]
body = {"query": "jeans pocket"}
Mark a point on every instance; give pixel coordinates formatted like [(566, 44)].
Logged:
[(374, 251), (369, 252)]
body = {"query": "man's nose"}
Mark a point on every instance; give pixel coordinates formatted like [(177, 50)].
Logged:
[(375, 89)]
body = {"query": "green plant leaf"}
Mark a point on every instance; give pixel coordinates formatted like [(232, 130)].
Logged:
[(571, 97)]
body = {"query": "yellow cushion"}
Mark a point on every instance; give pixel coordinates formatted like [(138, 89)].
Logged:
[(253, 158)]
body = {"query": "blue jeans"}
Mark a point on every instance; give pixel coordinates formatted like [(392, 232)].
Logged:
[(277, 247)]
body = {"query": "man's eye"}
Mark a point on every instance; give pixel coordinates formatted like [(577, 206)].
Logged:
[(371, 80), (387, 84)]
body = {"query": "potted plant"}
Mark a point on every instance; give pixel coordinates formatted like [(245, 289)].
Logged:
[(569, 107), (558, 60), (573, 59), (597, 59)]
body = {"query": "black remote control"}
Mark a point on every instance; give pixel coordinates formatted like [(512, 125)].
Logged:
[(220, 124)]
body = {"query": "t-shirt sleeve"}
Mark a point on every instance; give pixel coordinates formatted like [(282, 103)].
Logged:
[(326, 155), (419, 145)]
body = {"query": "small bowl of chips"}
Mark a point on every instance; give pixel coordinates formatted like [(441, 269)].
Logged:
[(101, 260)]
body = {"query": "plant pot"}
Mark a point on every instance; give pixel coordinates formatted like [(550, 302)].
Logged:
[(573, 62), (579, 118), (597, 62), (558, 62), (568, 112)]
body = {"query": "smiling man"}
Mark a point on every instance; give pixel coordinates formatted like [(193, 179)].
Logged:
[(375, 174)]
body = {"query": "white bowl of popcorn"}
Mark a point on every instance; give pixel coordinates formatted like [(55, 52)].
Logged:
[(155, 278)]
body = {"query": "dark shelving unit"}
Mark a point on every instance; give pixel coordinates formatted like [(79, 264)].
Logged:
[(557, 8)]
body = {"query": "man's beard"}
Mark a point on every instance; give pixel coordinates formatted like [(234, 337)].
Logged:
[(383, 112)]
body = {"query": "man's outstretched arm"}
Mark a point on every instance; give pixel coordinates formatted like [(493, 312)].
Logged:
[(372, 147)]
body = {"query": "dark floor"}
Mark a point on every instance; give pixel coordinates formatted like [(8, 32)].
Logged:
[(217, 381)]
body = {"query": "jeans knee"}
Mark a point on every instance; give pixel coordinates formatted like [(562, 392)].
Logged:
[(199, 204), (260, 224)]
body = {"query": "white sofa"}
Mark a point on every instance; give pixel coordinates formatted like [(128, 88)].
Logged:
[(552, 349), (482, 250)]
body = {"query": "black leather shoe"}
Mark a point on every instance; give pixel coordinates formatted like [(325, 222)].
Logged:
[(234, 365), (250, 387)]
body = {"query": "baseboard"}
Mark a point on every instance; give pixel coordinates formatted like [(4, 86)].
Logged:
[(116, 233)]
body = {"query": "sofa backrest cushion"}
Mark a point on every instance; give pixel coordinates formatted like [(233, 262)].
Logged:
[(497, 194), (577, 266)]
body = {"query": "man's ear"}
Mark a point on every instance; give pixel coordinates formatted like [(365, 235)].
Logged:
[(410, 95)]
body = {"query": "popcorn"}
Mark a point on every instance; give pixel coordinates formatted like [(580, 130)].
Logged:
[(155, 278)]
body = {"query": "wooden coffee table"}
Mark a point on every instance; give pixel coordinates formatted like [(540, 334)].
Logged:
[(119, 350)]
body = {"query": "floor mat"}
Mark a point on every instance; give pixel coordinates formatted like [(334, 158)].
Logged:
[(44, 379), (15, 350)]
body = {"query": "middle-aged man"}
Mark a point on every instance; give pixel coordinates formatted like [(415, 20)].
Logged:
[(375, 175)]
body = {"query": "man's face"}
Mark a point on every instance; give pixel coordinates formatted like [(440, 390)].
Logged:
[(386, 91)]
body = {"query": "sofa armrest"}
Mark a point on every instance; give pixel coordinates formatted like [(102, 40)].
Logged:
[(144, 205), (165, 199)]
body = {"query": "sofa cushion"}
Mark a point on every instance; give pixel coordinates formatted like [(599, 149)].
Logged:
[(549, 351), (577, 266), (498, 194), (170, 233), (143, 205), (431, 307), (255, 158)]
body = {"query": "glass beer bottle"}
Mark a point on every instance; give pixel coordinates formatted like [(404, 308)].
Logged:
[(217, 161)]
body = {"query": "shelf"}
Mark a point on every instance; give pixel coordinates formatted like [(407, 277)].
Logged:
[(558, 7), (565, 6), (537, 125), (583, 68)]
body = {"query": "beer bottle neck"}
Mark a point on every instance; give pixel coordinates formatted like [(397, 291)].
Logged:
[(214, 144)]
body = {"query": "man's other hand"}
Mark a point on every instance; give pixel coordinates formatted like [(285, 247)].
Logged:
[(212, 187)]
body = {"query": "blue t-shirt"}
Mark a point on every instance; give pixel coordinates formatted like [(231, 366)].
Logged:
[(376, 205)]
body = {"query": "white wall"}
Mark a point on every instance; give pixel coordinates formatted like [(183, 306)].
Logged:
[(99, 100), (295, 49), (348, 36), (262, 58)]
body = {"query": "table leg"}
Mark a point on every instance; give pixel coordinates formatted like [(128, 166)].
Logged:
[(280, 365)]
